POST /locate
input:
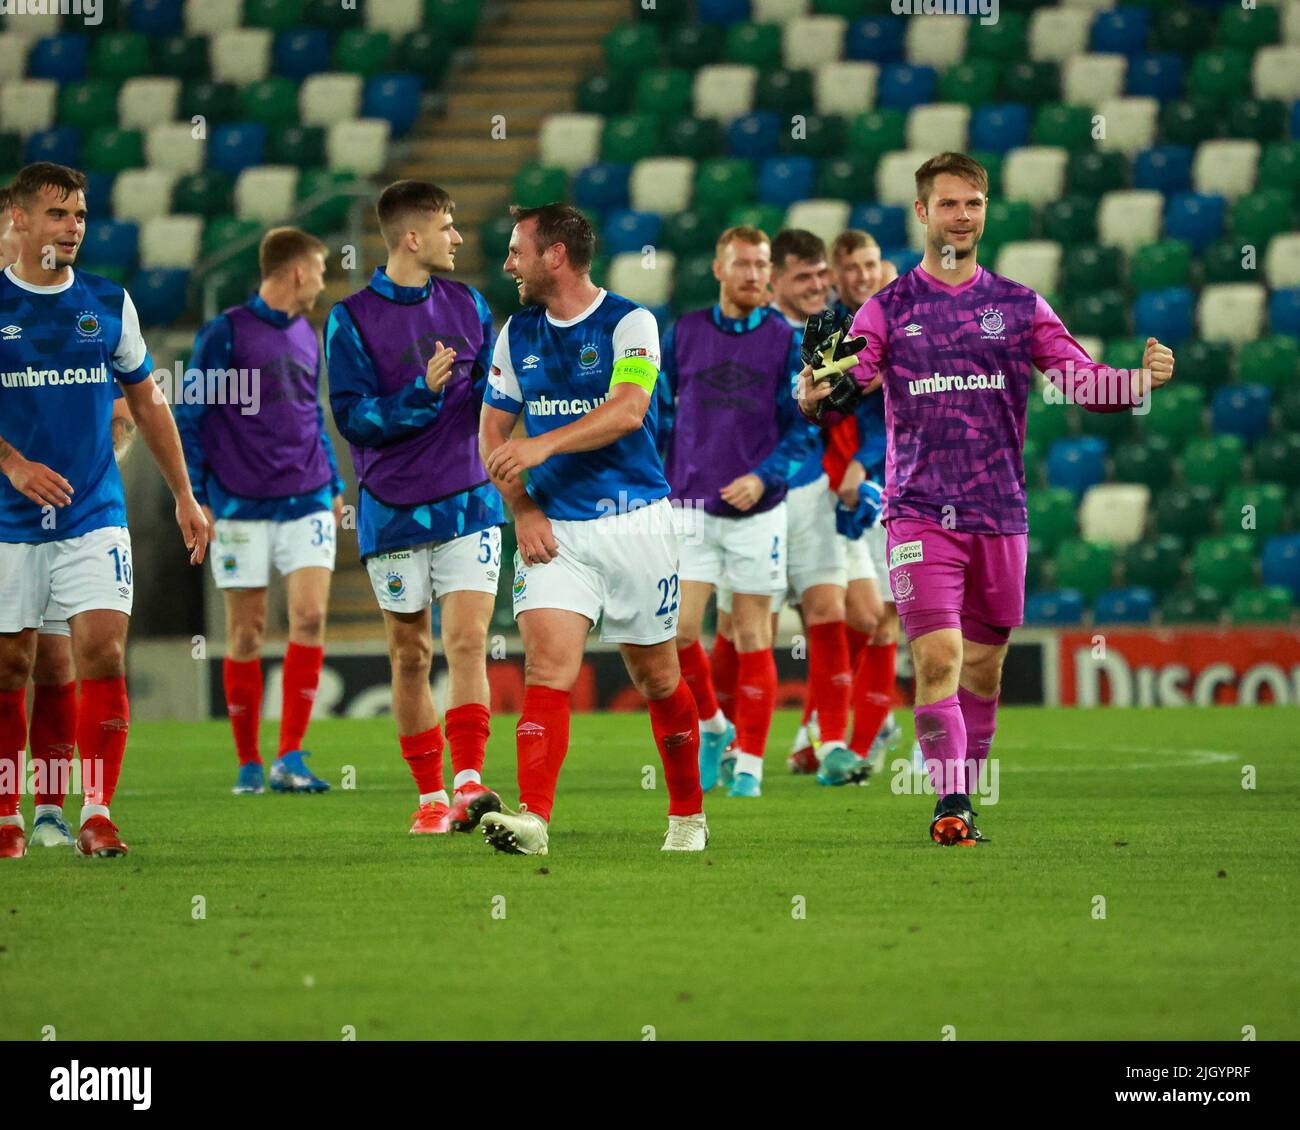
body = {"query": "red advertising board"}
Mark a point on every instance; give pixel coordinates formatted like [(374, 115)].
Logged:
[(1180, 667)]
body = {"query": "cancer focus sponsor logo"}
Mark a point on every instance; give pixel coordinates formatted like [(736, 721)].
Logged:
[(906, 553)]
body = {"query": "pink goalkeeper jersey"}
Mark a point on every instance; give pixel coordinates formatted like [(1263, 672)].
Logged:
[(957, 364)]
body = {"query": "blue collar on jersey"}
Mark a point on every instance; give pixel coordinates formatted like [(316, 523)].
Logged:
[(278, 318), (739, 325), (406, 295)]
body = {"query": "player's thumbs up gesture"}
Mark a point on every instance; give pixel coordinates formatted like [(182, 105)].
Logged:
[(1159, 361), (438, 372)]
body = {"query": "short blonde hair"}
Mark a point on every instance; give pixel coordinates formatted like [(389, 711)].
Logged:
[(744, 233)]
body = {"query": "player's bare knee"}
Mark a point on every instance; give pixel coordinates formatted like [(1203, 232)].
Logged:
[(106, 661), (307, 623), (548, 671), (466, 644), (246, 639), (412, 658), (53, 668), (15, 669)]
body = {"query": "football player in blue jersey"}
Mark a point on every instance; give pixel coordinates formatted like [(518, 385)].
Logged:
[(69, 338)]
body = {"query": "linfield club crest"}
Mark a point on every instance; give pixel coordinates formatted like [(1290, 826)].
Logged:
[(396, 585), (588, 355), (992, 322), (87, 324)]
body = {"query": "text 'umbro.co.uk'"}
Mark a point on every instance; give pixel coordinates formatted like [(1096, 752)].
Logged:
[(957, 383)]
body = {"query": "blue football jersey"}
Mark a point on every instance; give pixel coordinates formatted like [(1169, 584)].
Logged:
[(555, 372), (63, 349)]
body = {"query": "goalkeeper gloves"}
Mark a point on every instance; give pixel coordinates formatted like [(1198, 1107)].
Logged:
[(832, 355), (853, 522)]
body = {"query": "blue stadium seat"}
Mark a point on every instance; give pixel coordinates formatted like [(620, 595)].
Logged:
[(1077, 464), (394, 97), (784, 180), (721, 11), (60, 57), (237, 146), (301, 52), (877, 39), (601, 187), (111, 243), (1242, 410), (99, 193), (995, 128), (157, 17), (1284, 312), (1054, 606), (887, 222), (1165, 314), (1124, 606), (1155, 76), (1195, 217), (904, 258), (1165, 168), (159, 295), (1122, 31), (1281, 562), (903, 86), (754, 136), (62, 145), (629, 231)]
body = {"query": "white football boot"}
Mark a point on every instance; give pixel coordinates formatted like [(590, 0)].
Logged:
[(516, 833), (686, 833)]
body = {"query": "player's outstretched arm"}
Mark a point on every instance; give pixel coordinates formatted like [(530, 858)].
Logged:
[(123, 429), (34, 481), (154, 419), (533, 532)]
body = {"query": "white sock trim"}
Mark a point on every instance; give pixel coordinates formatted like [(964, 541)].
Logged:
[(440, 797), (16, 820), (48, 810), (715, 725), (89, 810), (464, 777), (749, 763)]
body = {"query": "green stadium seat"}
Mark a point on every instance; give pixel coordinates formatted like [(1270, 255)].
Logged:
[(1277, 459), (632, 47), (330, 15), (1100, 313), (1213, 461), (1124, 352), (457, 20), (332, 214), (722, 183), (88, 105), (1044, 421), (1188, 123), (992, 163), (1184, 30), (535, 185), (1199, 605), (697, 138), (971, 82), (1257, 217), (694, 45), (848, 177), (1256, 119), (1089, 268), (1033, 83), (119, 55), (1155, 563), (694, 285), (1266, 605), (1035, 564), (1207, 364), (1288, 409), (600, 269), (494, 237), (1279, 166), (822, 136), (1069, 127), (1268, 509), (765, 217), (1219, 75), (1156, 266), (1177, 415), (605, 93), (1084, 565), (1184, 511), (849, 9), (183, 57), (1032, 456), (277, 15), (1247, 28), (1071, 220), (629, 138), (1224, 262), (232, 283), (119, 273), (664, 91), (207, 193), (501, 293), (1114, 427), (359, 51), (1006, 221), (274, 103), (1051, 516), (1225, 564), (1003, 42), (225, 231), (1149, 461), (1092, 173), (878, 132), (684, 233), (424, 53), (301, 146), (217, 102), (784, 92), (1272, 361), (759, 45), (112, 150)]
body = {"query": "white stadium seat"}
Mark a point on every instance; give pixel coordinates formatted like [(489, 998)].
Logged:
[(824, 218), (1091, 5), (896, 176), (171, 241), (145, 102), (13, 57), (1056, 34), (845, 88), (1225, 168), (142, 194), (396, 17), (777, 11), (242, 55), (1282, 261), (630, 276), (939, 127), (27, 105), (1231, 312), (1114, 513), (813, 41), (359, 146), (206, 17), (266, 192), (1275, 73), (1291, 22), (936, 41), (570, 141), (661, 184), (1129, 218), (1034, 262), (328, 98), (1130, 124), (724, 91), (173, 146), (1088, 79), (1035, 173), (21, 25), (1094, 347)]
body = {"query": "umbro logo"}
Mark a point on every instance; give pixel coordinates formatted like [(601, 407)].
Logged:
[(913, 330), (11, 332), (530, 362)]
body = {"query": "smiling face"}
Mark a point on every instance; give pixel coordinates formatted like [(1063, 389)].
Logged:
[(953, 216), (858, 275), (744, 269), (801, 286), (529, 265), (53, 220)]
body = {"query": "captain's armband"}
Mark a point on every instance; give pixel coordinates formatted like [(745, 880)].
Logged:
[(639, 371)]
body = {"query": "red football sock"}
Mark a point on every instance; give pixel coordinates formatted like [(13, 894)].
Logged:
[(830, 678), (676, 726), (54, 733), (542, 740), (724, 669), (857, 641), (243, 682), (695, 671), (423, 753), (299, 680), (103, 718), (755, 700), (13, 741), (467, 729), (873, 694), (808, 705)]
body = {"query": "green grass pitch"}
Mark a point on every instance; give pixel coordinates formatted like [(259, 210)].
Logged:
[(323, 916)]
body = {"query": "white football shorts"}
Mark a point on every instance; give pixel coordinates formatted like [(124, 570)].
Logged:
[(408, 580), (64, 578), (746, 554), (244, 550)]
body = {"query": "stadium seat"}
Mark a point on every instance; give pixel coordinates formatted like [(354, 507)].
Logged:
[(693, 46), (395, 16), (1165, 314), (394, 99), (1235, 312), (570, 141), (971, 83), (1035, 263), (1158, 75), (686, 233), (605, 94), (724, 91), (722, 183), (778, 11), (1057, 607), (1276, 458), (630, 276), (1270, 361), (753, 44), (332, 213), (1076, 464), (1089, 268), (1284, 311), (237, 147), (58, 57), (171, 241), (895, 183), (661, 185), (1213, 461), (1183, 512), (1205, 363), (156, 17), (328, 98), (1129, 219), (1195, 218), (628, 231), (1092, 79), (1225, 168), (62, 145), (1194, 605), (813, 41), (1226, 261), (216, 102), (1280, 563), (1254, 507), (696, 138), (1275, 72), (815, 135), (272, 101), (1177, 413), (13, 57), (629, 138), (1131, 605), (183, 57), (1190, 123), (1148, 461), (824, 218), (694, 286), (208, 193), (1270, 604), (112, 150), (1282, 261), (1100, 313), (241, 56), (846, 88), (1219, 75), (754, 136), (266, 193), (118, 56), (27, 105), (876, 39), (1155, 563), (1130, 124), (999, 128), (1160, 266), (112, 243), (1114, 513), (1164, 168), (1242, 410), (204, 17), (601, 187), (941, 127), (784, 92), (535, 185), (903, 86), (146, 102), (359, 147), (939, 42), (1057, 34), (1288, 411), (1071, 220), (173, 146), (300, 52), (783, 181), (1051, 516), (1225, 564), (1258, 120), (665, 91), (159, 295)]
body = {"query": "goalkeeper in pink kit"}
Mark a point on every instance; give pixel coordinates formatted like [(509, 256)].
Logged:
[(953, 347)]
